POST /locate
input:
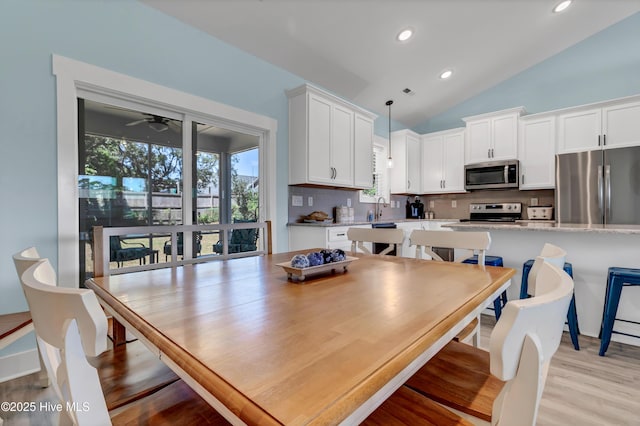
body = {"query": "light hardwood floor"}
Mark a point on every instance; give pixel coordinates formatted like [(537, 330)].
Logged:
[(582, 389)]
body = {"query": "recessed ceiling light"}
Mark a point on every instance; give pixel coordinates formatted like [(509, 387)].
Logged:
[(446, 74), (405, 34), (562, 6)]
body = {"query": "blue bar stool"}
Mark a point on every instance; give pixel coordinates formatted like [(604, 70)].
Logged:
[(618, 278), (499, 303), (572, 314)]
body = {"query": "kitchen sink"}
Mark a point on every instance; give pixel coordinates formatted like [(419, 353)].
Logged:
[(383, 225)]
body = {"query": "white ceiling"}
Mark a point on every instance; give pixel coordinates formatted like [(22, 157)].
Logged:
[(349, 46)]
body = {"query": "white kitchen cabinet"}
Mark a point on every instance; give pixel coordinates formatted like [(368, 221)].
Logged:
[(492, 136), (363, 149), (443, 162), (612, 124), (621, 125), (536, 152), (325, 134), (405, 177), (331, 237), (580, 130)]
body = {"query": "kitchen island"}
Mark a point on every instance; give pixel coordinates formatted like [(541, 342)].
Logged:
[(592, 249)]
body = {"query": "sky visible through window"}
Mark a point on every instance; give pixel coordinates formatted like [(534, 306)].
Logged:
[(248, 163)]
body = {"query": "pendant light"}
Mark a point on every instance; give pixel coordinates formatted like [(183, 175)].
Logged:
[(389, 160)]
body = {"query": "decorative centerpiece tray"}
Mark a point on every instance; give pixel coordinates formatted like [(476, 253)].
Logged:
[(301, 273)]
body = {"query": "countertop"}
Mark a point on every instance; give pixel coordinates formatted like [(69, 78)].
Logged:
[(549, 226), (331, 224)]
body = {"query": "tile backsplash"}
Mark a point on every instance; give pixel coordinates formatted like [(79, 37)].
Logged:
[(326, 199)]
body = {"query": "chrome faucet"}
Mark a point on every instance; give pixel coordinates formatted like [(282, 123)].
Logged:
[(378, 208)]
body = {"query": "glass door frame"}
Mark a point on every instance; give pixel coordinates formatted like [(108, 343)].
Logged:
[(75, 79)]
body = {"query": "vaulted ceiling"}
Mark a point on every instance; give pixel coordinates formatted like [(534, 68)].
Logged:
[(349, 47)]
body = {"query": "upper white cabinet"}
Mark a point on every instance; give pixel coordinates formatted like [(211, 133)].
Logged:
[(580, 130), (612, 125), (325, 133), (536, 152), (406, 174), (363, 149), (493, 136), (443, 161)]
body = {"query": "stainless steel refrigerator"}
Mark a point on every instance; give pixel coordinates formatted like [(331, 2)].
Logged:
[(599, 187)]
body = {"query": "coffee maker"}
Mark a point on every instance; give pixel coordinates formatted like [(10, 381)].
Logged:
[(415, 210)]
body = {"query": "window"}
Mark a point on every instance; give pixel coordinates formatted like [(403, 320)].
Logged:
[(380, 175)]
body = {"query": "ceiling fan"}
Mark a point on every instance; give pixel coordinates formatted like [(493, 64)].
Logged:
[(155, 122)]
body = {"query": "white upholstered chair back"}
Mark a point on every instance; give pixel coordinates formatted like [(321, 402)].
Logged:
[(471, 242), (523, 342), (551, 254), (360, 236), (49, 356), (70, 321), (28, 257)]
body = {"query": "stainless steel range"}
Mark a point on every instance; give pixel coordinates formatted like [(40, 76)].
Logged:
[(494, 212)]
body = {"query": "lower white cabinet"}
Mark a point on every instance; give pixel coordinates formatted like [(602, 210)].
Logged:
[(331, 237)]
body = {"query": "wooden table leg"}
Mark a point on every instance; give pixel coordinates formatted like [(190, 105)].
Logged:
[(119, 333)]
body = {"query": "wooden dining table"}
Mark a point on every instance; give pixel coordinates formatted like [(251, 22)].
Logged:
[(263, 349)]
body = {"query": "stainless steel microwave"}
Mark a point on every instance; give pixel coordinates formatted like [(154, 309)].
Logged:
[(492, 175)]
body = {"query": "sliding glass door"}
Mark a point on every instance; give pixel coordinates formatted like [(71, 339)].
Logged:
[(131, 174)]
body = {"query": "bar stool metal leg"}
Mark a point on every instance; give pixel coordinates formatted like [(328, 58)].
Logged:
[(617, 278), (614, 290)]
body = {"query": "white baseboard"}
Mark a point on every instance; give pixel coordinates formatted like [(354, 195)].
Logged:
[(19, 364)]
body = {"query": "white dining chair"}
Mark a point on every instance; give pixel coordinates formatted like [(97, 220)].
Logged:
[(71, 321), (126, 373), (503, 386), (22, 260), (551, 254), (557, 256), (360, 236), (467, 243)]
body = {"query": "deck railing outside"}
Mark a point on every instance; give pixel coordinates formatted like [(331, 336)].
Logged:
[(102, 252)]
